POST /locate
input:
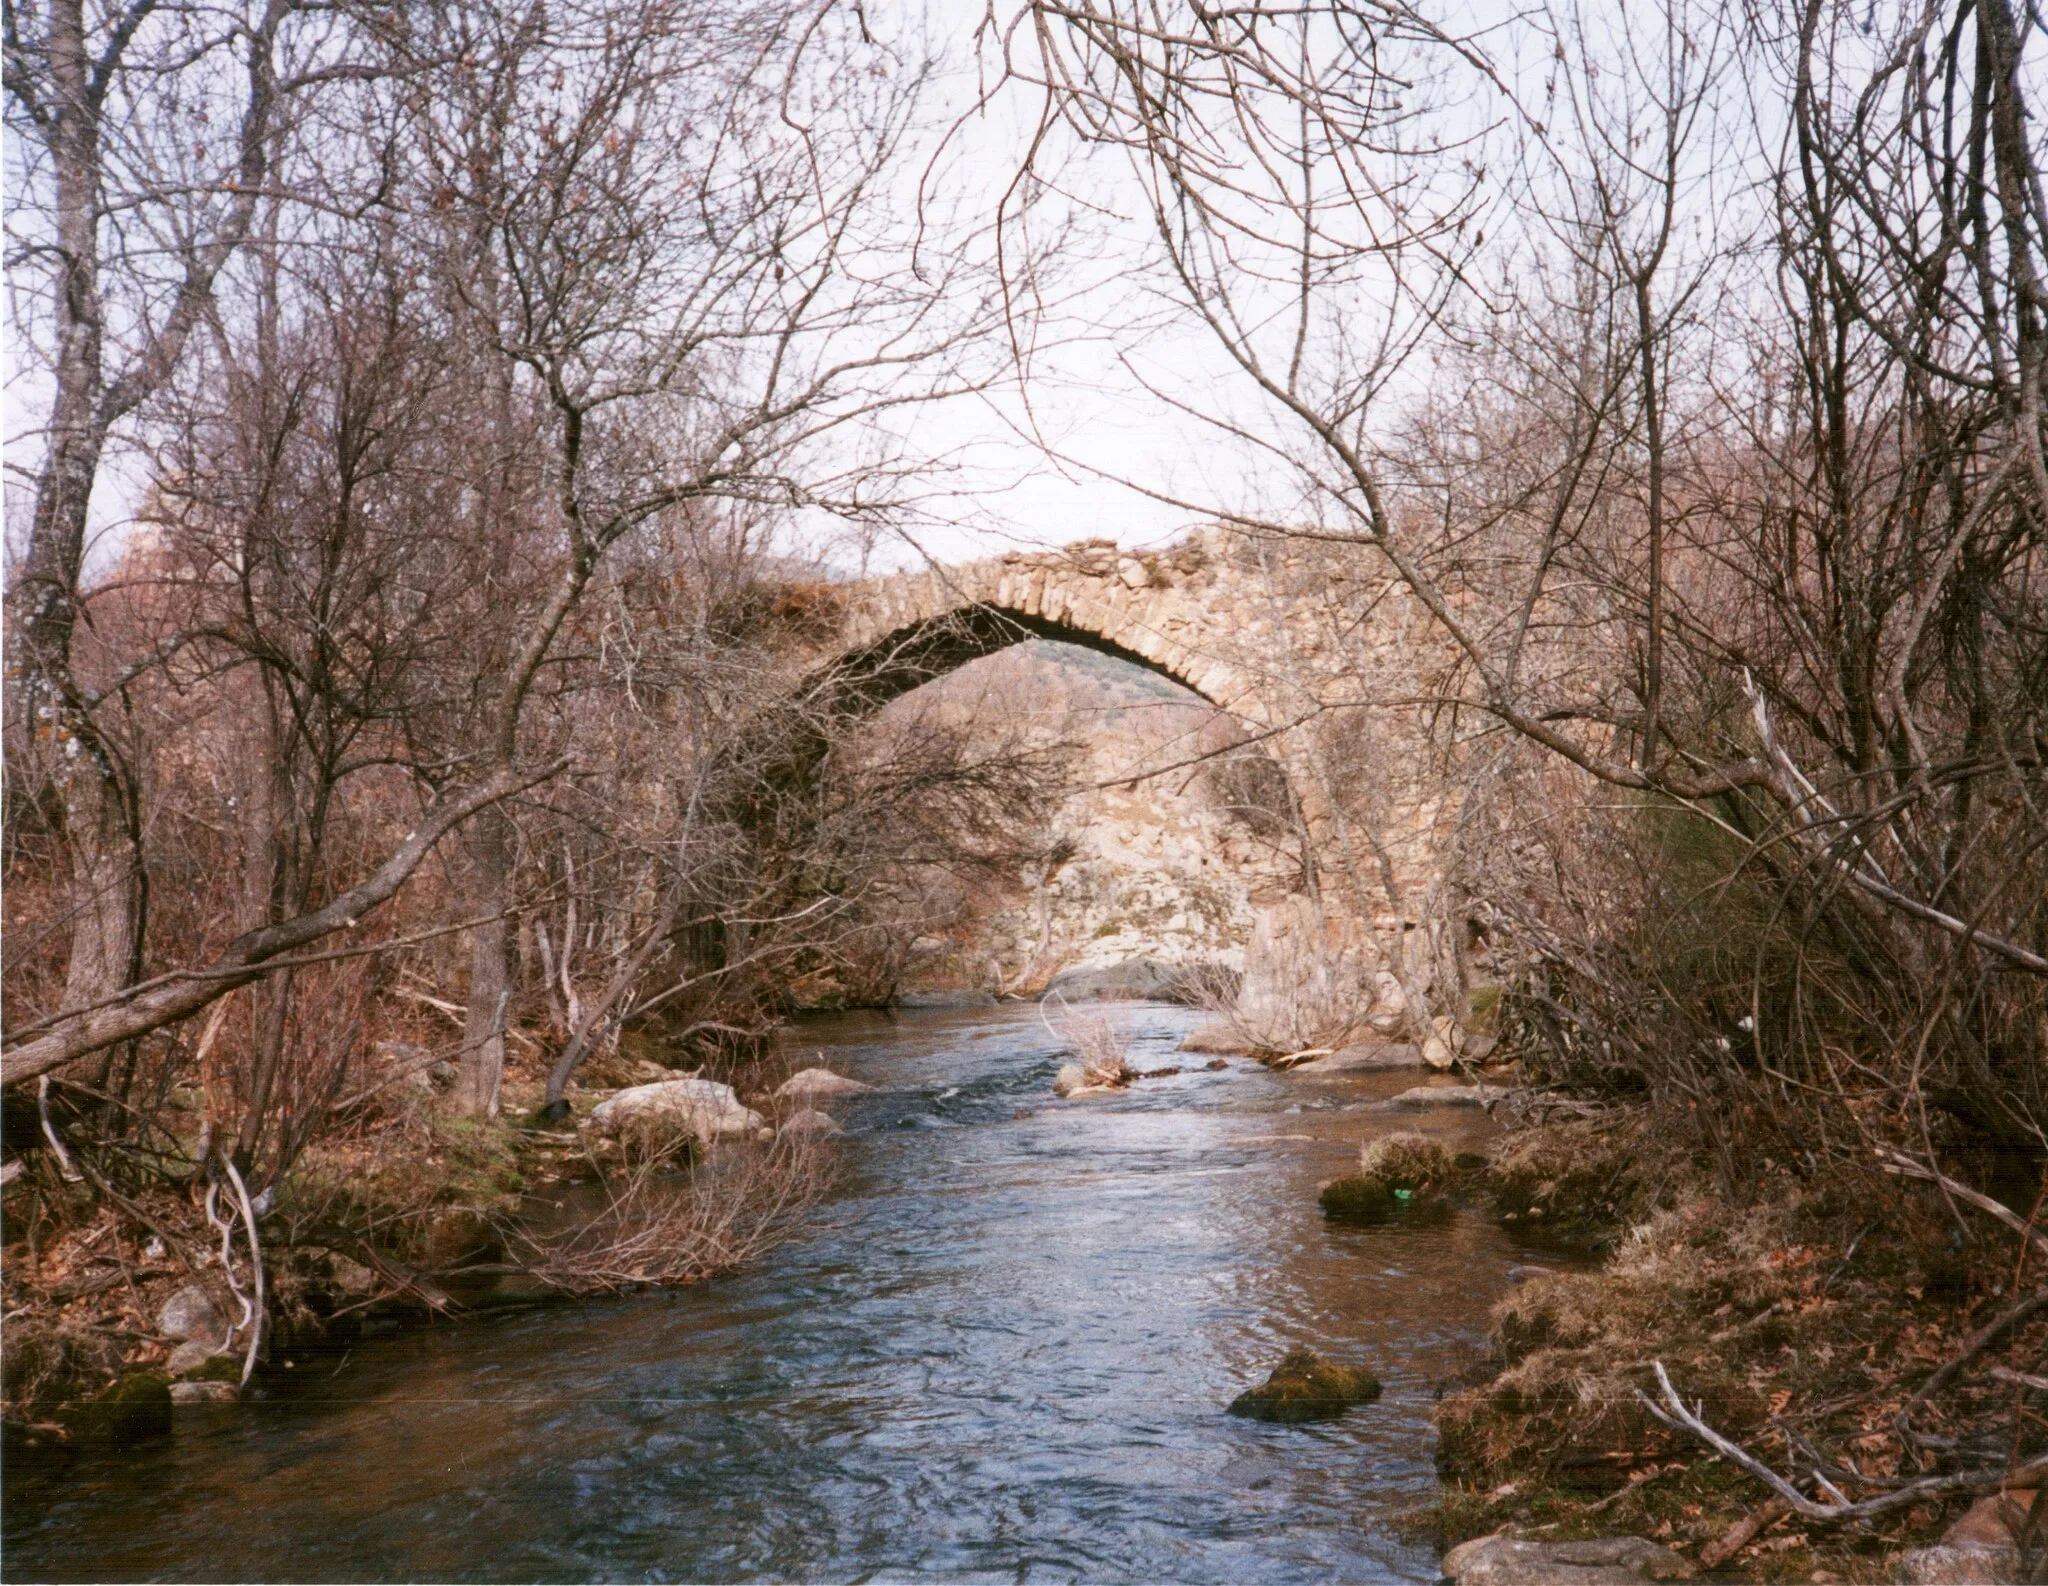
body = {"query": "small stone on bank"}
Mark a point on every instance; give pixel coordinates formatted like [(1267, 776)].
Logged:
[(1600, 1561), (189, 1357), (191, 1313), (815, 1082), (810, 1123), (188, 1393)]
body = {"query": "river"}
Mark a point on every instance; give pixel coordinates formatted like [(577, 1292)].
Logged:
[(1001, 1352)]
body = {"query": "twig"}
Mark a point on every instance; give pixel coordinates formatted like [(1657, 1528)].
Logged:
[(1673, 1413), (2020, 1378), (1973, 1346), (65, 1166), (1635, 1484), (1743, 1532)]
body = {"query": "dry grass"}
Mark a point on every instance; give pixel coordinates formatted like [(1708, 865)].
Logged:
[(1800, 1324), (1100, 1044), (1294, 995), (1406, 1160)]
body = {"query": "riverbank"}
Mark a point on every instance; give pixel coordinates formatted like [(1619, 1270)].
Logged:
[(122, 1320), (1154, 1252), (1798, 1324)]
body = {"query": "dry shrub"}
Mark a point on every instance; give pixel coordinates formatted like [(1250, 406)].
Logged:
[(666, 1224), (1570, 1350), (48, 1363), (1811, 1313), (1100, 1042), (1293, 995), (1103, 1046)]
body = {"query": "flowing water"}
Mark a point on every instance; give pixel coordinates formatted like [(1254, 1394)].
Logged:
[(1001, 1352)]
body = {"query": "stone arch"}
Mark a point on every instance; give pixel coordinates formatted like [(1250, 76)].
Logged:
[(868, 675)]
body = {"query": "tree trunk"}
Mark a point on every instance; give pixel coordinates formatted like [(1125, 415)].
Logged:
[(490, 978)]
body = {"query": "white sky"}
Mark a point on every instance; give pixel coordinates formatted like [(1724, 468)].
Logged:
[(1002, 490)]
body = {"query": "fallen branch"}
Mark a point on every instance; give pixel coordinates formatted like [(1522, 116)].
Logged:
[(1673, 1413), (1899, 1164), (75, 1033)]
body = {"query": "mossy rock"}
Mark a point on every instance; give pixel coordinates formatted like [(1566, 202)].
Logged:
[(136, 1408), (221, 1368), (1362, 1198), (1306, 1387)]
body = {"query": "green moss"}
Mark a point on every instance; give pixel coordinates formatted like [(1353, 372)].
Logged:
[(1306, 1387), (1359, 1199), (221, 1368), (1482, 1010), (136, 1407)]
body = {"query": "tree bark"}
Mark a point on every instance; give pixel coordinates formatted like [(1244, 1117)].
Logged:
[(490, 981)]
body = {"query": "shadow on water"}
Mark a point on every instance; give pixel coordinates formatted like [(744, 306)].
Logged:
[(1001, 1353)]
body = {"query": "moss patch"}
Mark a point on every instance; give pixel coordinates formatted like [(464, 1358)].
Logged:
[(136, 1408)]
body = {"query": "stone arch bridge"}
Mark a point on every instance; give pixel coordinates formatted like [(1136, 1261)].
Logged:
[(1317, 653)]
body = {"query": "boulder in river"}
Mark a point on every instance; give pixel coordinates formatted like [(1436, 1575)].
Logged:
[(1219, 1036), (810, 1124), (1367, 1057), (701, 1108), (1398, 1172), (1306, 1387), (812, 1083), (1076, 1083), (944, 997), (1597, 1561), (1361, 1198), (1133, 980), (1422, 1096)]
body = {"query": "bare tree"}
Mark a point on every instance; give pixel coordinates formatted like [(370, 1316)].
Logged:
[(128, 216), (680, 246), (1696, 544)]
